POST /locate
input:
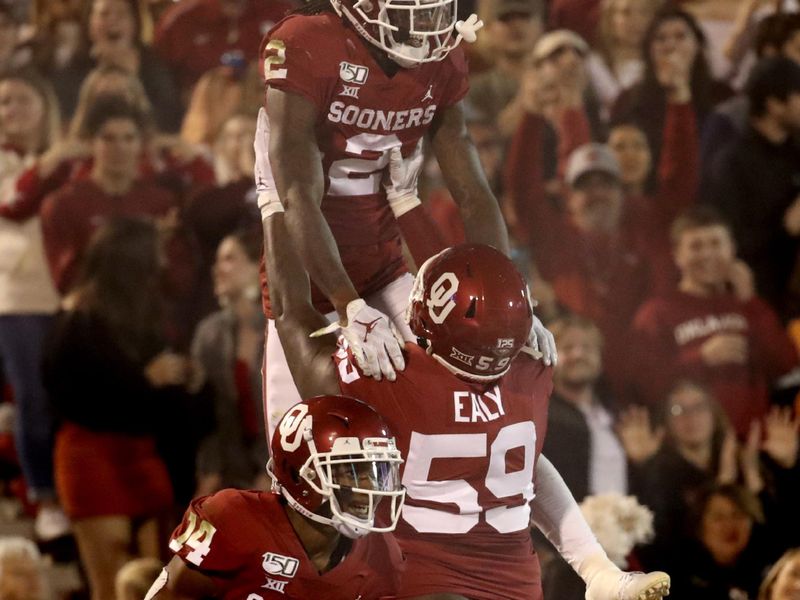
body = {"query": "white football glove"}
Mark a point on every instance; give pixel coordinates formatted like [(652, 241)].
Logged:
[(268, 200), (373, 340), (541, 343), (401, 184)]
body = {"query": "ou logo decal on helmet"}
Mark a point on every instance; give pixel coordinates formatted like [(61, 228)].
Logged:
[(292, 428), (441, 300)]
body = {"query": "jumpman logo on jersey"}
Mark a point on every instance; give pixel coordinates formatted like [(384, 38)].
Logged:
[(429, 94), (369, 327)]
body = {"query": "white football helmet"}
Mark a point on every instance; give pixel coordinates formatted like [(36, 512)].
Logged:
[(411, 32)]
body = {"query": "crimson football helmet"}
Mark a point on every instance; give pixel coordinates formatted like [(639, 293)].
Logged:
[(409, 31), (471, 306), (334, 459)]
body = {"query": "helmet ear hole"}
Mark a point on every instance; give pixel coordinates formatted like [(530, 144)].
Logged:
[(471, 309)]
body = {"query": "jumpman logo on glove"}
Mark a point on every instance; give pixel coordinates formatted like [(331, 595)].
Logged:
[(369, 327)]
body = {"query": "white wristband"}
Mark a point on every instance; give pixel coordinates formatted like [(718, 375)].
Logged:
[(402, 205), (269, 204)]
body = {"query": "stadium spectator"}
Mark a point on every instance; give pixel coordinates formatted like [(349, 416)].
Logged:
[(776, 35), (676, 70), (29, 125), (166, 159), (783, 580), (134, 579), (512, 29), (220, 94), (111, 31), (22, 574), (229, 346), (599, 267), (696, 447), (12, 54), (117, 132), (727, 550), (617, 63), (581, 442), (195, 36), (580, 16), (755, 182), (711, 327), (109, 372)]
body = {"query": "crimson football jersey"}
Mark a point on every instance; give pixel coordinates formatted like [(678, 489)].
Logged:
[(246, 544), (469, 453), (361, 115)]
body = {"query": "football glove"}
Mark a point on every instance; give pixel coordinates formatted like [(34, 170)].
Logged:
[(541, 343), (375, 343)]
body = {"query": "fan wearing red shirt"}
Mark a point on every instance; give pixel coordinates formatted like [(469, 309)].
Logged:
[(334, 461), (712, 329), (352, 88), (193, 36), (73, 213), (469, 412)]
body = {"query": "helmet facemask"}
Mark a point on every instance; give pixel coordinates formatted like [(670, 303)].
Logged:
[(411, 32), (352, 479)]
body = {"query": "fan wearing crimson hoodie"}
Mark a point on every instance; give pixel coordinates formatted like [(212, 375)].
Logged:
[(711, 329), (351, 89), (469, 412), (334, 461)]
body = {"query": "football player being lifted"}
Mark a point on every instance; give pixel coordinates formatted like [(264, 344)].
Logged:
[(470, 415), (352, 87), (334, 461)]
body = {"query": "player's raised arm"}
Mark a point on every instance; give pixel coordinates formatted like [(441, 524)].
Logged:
[(458, 159), (297, 169), (309, 358)]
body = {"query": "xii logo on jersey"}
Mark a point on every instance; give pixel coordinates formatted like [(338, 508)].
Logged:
[(350, 73), (277, 564)]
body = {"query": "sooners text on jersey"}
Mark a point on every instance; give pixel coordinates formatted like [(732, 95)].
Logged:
[(361, 115), (245, 543)]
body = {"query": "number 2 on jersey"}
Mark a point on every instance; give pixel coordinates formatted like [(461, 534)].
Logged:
[(504, 519)]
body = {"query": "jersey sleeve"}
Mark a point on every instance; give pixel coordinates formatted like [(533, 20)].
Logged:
[(290, 60), (458, 82), (203, 540)]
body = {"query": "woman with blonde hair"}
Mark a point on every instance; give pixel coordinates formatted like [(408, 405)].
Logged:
[(29, 125), (618, 64), (221, 93), (783, 579)]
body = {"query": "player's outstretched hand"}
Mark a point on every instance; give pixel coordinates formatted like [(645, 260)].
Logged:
[(373, 340), (613, 584), (541, 343)]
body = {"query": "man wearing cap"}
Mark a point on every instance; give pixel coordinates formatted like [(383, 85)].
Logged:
[(755, 182), (584, 245), (511, 30)]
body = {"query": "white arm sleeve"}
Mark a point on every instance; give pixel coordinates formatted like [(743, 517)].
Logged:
[(558, 516)]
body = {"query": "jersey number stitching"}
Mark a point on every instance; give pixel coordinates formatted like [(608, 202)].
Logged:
[(198, 538), (504, 519)]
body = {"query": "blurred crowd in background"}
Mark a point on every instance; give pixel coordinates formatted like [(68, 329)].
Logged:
[(646, 155)]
